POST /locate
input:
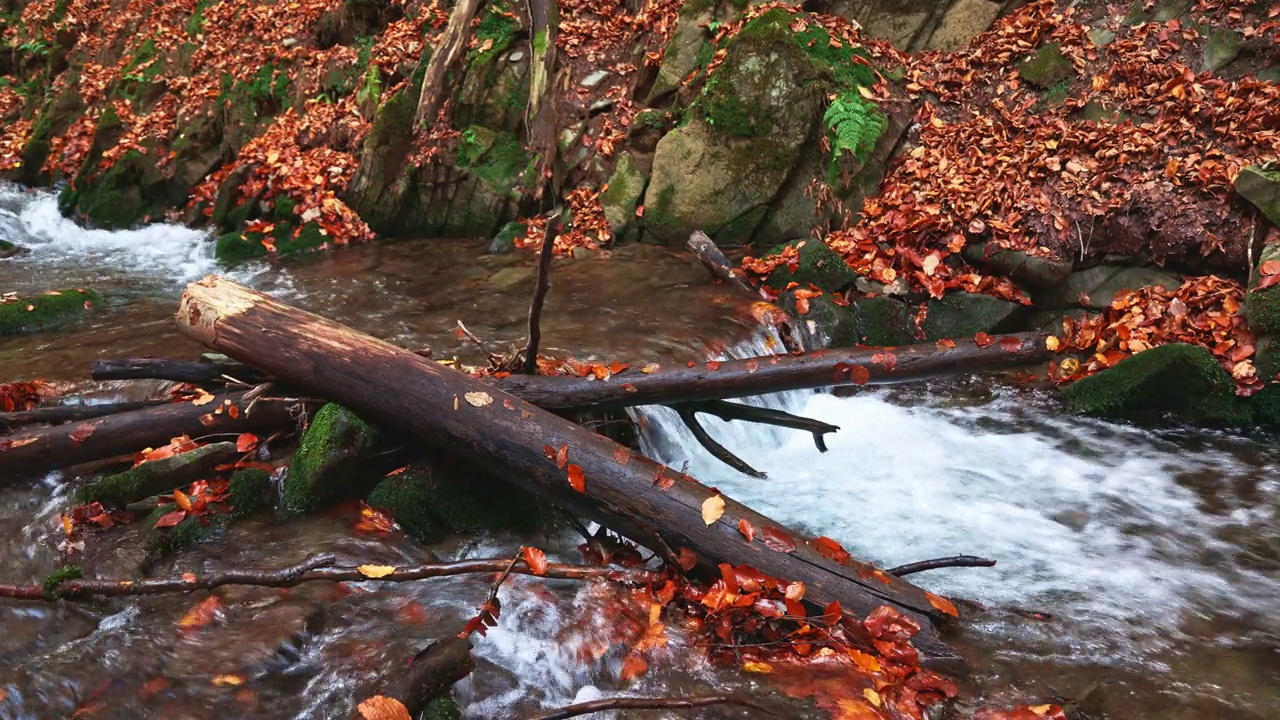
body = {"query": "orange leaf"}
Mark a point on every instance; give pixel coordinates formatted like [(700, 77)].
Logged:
[(535, 559), (982, 339), (202, 614), (171, 519), (562, 456), (632, 667), (831, 550), (182, 499), (577, 480), (621, 455), (1010, 344), (942, 604), (381, 707), (747, 529)]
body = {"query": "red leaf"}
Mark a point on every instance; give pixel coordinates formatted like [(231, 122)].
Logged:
[(661, 479), (246, 442), (747, 529), (632, 667), (562, 456), (171, 519), (621, 455), (982, 339), (831, 550), (1009, 343), (535, 559), (577, 480), (687, 559), (887, 359), (713, 365), (778, 540)]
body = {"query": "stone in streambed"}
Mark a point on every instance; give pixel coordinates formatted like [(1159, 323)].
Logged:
[(963, 314), (326, 461), (19, 316), (1179, 380), (819, 266), (1028, 270), (8, 249), (157, 476), (1094, 288), (882, 322), (249, 490), (1260, 185), (623, 194)]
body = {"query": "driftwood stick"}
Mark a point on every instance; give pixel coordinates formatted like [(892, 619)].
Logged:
[(540, 295), (428, 675), (726, 410), (312, 569), (718, 265), (640, 703), (70, 413), (720, 452), (939, 563)]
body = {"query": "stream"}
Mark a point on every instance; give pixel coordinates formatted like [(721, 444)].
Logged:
[(1142, 565)]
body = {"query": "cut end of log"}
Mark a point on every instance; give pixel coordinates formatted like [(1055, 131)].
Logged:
[(208, 300)]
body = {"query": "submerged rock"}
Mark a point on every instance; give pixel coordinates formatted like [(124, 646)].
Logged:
[(8, 249), (326, 457), (21, 315), (157, 476), (1178, 380)]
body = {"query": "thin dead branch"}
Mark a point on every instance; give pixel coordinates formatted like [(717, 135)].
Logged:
[(540, 295), (634, 703), (939, 563)]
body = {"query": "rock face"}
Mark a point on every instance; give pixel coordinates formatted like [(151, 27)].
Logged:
[(1260, 185)]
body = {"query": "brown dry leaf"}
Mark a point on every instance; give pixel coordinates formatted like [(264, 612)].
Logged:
[(376, 571), (381, 707), (232, 680), (756, 667), (479, 399), (712, 509)]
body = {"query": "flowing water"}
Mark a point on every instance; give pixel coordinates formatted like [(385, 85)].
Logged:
[(1143, 565)]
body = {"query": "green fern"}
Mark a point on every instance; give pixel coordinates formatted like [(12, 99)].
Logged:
[(854, 125)]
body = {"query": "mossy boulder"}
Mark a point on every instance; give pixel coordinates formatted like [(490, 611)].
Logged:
[(46, 311), (619, 200), (823, 321), (962, 314), (1048, 67), (9, 249), (377, 191), (819, 266), (327, 459), (120, 197), (689, 47), (287, 239), (157, 476), (1260, 185), (1262, 305), (1029, 270), (505, 240), (1179, 380), (249, 490), (882, 322), (431, 498)]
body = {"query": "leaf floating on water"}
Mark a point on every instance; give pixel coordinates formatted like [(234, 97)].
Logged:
[(712, 509), (650, 368), (202, 614), (232, 680), (479, 399), (375, 571), (535, 559), (756, 667), (381, 707)]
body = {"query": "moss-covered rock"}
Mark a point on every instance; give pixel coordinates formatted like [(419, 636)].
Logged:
[(326, 459), (882, 322), (962, 314), (430, 498), (378, 189), (1048, 67), (9, 249), (1179, 380), (620, 198), (1221, 47), (285, 237), (158, 476), (1260, 185), (505, 240), (43, 312), (249, 491), (442, 708), (1094, 288), (822, 321), (819, 266), (121, 196), (1262, 305)]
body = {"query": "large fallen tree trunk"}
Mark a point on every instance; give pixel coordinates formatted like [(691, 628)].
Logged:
[(49, 448), (756, 376), (654, 505)]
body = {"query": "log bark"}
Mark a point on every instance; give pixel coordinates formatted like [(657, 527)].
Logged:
[(429, 675), (775, 373), (189, 371), (446, 54), (650, 503), (714, 260), (68, 413), (42, 449)]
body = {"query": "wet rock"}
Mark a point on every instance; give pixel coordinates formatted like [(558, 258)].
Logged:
[(891, 20), (819, 266), (1262, 306), (1179, 380), (688, 47), (8, 249), (251, 643), (22, 315), (1221, 47), (882, 322), (823, 322), (964, 21), (962, 314), (1032, 271), (1260, 185), (1094, 288), (1167, 10), (326, 457), (1048, 67), (249, 490), (1101, 36), (157, 476), (505, 241), (594, 78), (626, 187), (1051, 320), (511, 277)]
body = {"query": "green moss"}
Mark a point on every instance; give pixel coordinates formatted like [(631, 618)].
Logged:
[(819, 265), (1179, 380), (8, 249), (235, 247), (496, 157), (963, 314), (195, 24), (1048, 67), (442, 708), (498, 27), (59, 576), (156, 477), (249, 491), (119, 197), (882, 322), (42, 312), (326, 455)]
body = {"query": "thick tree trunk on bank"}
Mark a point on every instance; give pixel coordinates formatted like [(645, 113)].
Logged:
[(654, 505), (775, 373), (42, 449)]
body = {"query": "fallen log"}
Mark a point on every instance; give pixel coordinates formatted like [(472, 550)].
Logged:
[(68, 413), (49, 448), (775, 373), (654, 505), (189, 371), (428, 675)]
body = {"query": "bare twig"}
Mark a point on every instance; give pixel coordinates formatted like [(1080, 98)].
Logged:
[(714, 260), (726, 410), (640, 703), (720, 452), (939, 563), (312, 569), (494, 360), (540, 294)]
